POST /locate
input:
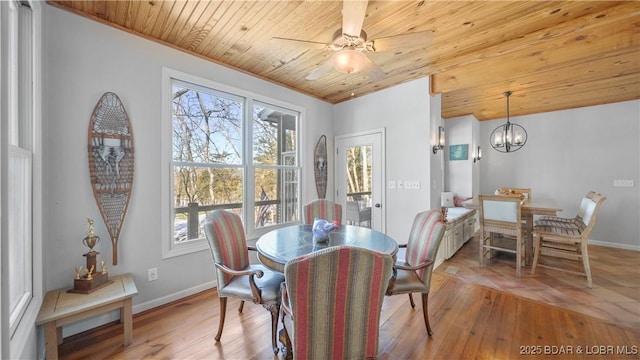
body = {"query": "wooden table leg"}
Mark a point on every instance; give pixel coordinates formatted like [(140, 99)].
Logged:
[(127, 318), (59, 334), (51, 340), (528, 242)]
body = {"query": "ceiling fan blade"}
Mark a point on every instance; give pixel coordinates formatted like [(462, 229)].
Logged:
[(373, 71), (353, 16), (299, 43), (416, 40), (320, 71)]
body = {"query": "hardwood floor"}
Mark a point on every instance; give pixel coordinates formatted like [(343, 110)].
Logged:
[(475, 314), (615, 295)]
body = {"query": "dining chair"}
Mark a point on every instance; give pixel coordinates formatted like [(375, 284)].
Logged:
[(334, 298), (575, 221), (413, 274), (356, 216), (500, 215), (322, 209), (568, 240), (236, 276)]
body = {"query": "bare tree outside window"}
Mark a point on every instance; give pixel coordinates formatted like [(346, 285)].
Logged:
[(359, 179), (210, 169)]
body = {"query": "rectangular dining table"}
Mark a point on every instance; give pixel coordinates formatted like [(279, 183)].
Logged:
[(530, 207)]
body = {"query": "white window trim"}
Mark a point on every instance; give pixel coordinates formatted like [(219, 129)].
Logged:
[(169, 247), (23, 339)]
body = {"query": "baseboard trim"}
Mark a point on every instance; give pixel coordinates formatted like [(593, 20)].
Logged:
[(173, 297), (615, 245)]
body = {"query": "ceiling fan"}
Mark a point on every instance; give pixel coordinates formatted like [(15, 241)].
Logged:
[(350, 44)]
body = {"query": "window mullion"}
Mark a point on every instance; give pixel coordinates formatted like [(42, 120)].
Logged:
[(249, 199)]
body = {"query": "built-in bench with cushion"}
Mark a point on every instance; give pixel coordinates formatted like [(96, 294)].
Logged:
[(461, 224)]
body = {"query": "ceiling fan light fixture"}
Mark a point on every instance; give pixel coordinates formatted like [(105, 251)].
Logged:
[(349, 60)]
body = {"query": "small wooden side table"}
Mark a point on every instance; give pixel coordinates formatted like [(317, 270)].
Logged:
[(61, 308)]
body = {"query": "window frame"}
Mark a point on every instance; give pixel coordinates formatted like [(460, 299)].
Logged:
[(20, 105), (169, 247)]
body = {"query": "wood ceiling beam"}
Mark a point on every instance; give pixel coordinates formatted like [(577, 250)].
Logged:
[(537, 100), (624, 63)]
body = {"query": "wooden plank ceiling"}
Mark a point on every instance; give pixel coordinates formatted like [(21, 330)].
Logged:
[(551, 55)]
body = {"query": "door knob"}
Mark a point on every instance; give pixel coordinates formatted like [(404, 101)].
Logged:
[(377, 205)]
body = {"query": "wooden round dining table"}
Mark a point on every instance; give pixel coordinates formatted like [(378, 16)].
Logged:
[(278, 246)]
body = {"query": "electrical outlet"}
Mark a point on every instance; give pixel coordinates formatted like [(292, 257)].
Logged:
[(152, 274)]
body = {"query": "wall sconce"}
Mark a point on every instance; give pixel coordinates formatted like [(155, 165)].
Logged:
[(508, 137), (478, 155), (440, 140)]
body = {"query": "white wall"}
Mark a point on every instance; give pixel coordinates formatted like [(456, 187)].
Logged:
[(404, 111), (83, 60), (437, 161), (459, 173), (569, 153)]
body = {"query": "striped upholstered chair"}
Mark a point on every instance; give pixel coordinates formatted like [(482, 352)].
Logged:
[(334, 299), (322, 209), (413, 274), (236, 276)]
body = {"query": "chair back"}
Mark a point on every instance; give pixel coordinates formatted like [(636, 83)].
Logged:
[(323, 209), (425, 237), (584, 204), (591, 213), (500, 214), (225, 235), (353, 211), (336, 297)]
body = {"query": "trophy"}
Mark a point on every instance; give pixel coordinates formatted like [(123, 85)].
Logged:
[(92, 279), (91, 239)]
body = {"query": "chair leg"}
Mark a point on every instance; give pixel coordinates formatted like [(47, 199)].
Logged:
[(241, 306), (585, 263), (413, 305), (425, 312), (481, 247), (223, 312), (285, 339), (519, 252), (275, 311), (536, 253)]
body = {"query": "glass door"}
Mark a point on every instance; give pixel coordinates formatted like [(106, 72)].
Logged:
[(360, 178)]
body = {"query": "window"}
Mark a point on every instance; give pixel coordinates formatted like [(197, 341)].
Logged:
[(20, 164), (20, 172), (229, 150)]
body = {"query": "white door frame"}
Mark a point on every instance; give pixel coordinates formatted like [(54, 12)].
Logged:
[(378, 191)]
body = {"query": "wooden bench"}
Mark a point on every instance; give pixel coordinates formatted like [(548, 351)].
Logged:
[(61, 308)]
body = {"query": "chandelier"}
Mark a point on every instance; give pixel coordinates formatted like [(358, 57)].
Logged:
[(508, 137)]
